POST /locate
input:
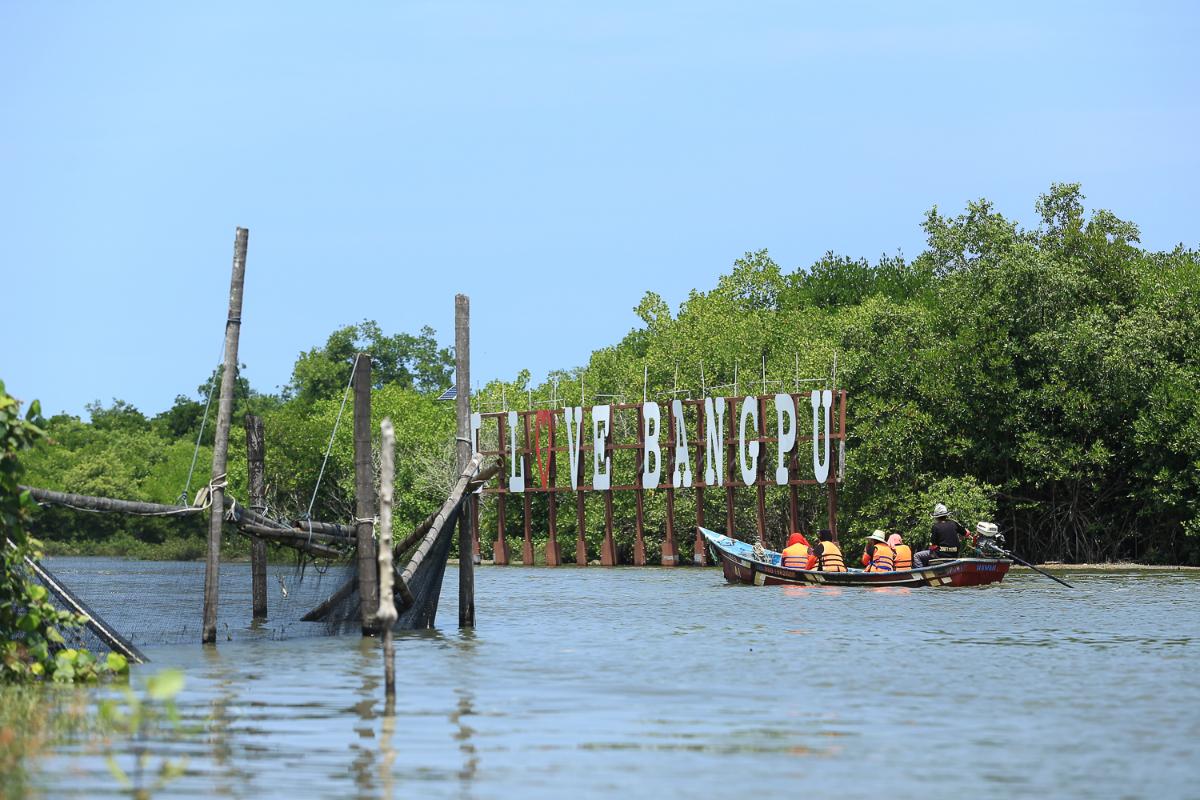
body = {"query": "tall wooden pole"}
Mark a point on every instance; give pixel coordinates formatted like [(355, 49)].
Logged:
[(462, 388), (233, 326), (387, 615), (255, 468), (364, 496)]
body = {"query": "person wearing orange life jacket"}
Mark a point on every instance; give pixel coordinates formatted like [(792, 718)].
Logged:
[(878, 556), (798, 554), (830, 554), (904, 555)]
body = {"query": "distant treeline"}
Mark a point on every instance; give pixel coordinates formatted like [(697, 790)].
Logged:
[(1044, 378)]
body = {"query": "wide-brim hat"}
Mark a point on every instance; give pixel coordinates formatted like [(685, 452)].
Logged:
[(940, 510), (878, 536)]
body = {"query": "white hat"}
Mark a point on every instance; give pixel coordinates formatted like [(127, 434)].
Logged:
[(878, 536), (986, 529), (940, 511)]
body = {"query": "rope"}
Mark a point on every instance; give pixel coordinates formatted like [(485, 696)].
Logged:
[(328, 450), (183, 496)]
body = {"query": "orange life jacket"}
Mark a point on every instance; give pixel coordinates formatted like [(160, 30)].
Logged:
[(883, 558), (795, 557), (903, 556), (831, 558)]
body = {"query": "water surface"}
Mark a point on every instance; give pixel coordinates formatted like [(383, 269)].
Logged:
[(648, 682)]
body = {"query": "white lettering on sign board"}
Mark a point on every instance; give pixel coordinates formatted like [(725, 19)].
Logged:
[(821, 400), (601, 478), (683, 462), (749, 411), (785, 407), (714, 442), (651, 414), (574, 420), (516, 483), (651, 466)]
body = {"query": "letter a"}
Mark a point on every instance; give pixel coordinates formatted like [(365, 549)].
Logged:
[(683, 462)]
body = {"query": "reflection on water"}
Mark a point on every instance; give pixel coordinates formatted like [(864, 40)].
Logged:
[(665, 683)]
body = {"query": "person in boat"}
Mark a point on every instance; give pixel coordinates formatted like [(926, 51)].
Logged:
[(943, 538), (878, 555), (829, 553), (798, 554), (904, 553)]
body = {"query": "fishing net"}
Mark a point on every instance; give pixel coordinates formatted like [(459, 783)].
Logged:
[(144, 604)]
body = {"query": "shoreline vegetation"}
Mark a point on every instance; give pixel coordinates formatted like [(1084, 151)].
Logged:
[(1044, 378)]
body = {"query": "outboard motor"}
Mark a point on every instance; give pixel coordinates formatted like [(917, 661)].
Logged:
[(989, 540)]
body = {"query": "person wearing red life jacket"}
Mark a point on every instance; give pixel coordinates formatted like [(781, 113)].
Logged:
[(798, 554)]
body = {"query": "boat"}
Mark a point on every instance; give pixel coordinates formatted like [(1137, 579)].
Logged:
[(742, 565)]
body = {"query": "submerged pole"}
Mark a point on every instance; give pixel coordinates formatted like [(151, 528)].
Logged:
[(216, 517), (386, 615), (364, 495), (255, 467), (462, 388)]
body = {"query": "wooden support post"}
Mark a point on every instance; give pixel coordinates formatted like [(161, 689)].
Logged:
[(233, 326), (608, 547), (639, 520), (386, 614), (699, 554), (581, 558), (793, 473), (553, 550), (730, 466), (526, 500), (255, 456), (462, 382), (364, 496), (670, 553), (500, 549), (760, 507), (834, 465)]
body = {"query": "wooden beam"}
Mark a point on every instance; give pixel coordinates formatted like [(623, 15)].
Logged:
[(233, 326), (106, 504), (364, 496), (462, 404)]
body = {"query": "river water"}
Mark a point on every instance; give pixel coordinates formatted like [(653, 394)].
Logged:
[(648, 682)]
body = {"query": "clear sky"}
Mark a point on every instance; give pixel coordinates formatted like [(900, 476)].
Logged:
[(554, 160)]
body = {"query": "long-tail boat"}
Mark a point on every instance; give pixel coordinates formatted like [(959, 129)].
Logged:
[(742, 565)]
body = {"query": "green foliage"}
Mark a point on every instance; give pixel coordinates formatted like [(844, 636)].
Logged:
[(414, 362), (31, 641)]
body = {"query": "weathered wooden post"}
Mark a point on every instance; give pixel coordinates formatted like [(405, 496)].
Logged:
[(760, 489), (553, 550), (670, 552), (639, 519), (364, 495), (526, 500), (233, 325), (462, 383), (500, 548), (255, 468), (698, 557), (386, 615)]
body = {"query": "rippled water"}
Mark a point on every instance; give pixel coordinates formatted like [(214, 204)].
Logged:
[(669, 683)]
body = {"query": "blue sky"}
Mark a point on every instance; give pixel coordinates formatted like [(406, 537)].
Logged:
[(553, 160)]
